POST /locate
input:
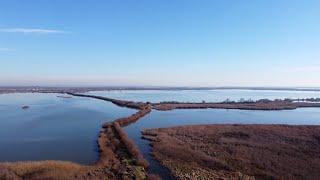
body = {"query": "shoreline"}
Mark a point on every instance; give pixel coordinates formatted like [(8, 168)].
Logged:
[(44, 89)]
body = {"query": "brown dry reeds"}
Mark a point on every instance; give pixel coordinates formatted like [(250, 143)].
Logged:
[(135, 117), (43, 170), (154, 177), (106, 148), (122, 103), (130, 146), (273, 105), (112, 136), (238, 151)]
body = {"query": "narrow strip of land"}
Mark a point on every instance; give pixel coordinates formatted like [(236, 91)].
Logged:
[(118, 152), (257, 105), (121, 103)]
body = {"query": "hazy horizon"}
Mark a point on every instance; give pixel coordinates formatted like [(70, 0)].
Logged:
[(168, 43), (142, 87)]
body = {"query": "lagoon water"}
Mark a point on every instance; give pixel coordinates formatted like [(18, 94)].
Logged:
[(67, 128), (52, 128), (203, 95)]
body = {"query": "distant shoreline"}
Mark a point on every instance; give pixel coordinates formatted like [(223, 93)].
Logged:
[(7, 90)]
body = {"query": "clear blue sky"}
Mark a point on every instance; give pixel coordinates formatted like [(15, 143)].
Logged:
[(160, 42)]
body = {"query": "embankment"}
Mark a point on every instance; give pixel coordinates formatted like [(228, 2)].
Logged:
[(113, 137), (121, 103), (270, 105), (116, 149)]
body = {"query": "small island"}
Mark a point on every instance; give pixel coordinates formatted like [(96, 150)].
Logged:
[(25, 107)]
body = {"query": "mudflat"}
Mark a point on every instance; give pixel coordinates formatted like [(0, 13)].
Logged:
[(238, 151)]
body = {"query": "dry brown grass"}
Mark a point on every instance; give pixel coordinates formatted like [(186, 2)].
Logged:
[(122, 103), (134, 117), (239, 151), (107, 144), (154, 177), (259, 105), (43, 170), (131, 147), (112, 137), (118, 151)]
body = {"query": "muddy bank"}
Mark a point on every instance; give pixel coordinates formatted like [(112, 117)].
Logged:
[(238, 151), (268, 105)]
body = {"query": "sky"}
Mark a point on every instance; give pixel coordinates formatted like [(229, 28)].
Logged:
[(160, 43)]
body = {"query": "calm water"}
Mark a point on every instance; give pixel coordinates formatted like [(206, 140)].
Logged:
[(200, 95), (52, 128), (66, 129), (156, 119)]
